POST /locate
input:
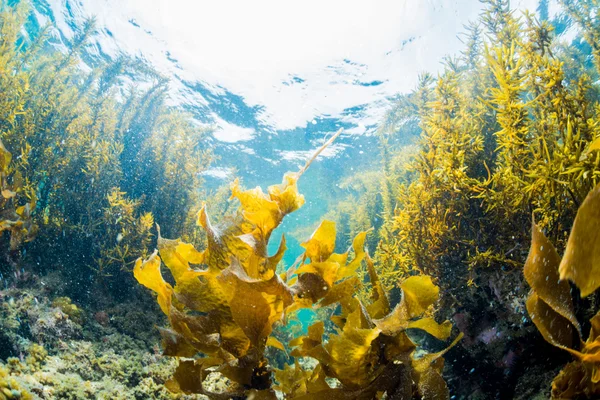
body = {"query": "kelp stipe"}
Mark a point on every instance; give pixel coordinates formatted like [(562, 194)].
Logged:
[(550, 305), (226, 310)]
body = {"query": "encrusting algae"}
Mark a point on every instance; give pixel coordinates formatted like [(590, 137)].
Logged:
[(550, 305), (222, 316)]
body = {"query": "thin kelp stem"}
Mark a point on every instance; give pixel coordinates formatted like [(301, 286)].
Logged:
[(314, 156)]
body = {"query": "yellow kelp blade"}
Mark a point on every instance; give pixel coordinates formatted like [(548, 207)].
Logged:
[(286, 194), (419, 293), (321, 243), (258, 208), (541, 272), (351, 350), (428, 369), (255, 304), (274, 342), (326, 270), (439, 331), (556, 329), (396, 321), (581, 261), (358, 245), (5, 158), (148, 274), (595, 145), (380, 305), (196, 289), (341, 292), (222, 243)]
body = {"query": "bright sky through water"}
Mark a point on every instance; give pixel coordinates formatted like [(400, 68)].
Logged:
[(288, 56)]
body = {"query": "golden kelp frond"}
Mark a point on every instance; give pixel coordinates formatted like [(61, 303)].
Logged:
[(266, 211), (428, 373), (255, 304), (581, 261), (321, 243), (365, 350), (227, 298), (14, 218), (147, 273), (550, 305)]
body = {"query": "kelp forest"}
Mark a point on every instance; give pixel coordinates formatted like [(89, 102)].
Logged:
[(463, 263)]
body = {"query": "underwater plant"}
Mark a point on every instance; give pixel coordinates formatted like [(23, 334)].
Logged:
[(15, 219), (550, 305), (222, 315), (81, 131)]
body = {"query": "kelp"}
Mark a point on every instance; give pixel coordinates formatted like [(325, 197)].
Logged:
[(550, 305), (226, 299), (509, 127), (82, 135), (14, 218)]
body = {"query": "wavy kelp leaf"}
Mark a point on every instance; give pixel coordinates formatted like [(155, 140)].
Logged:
[(292, 380), (541, 272), (148, 274), (574, 381), (255, 304), (351, 357), (200, 331), (321, 243), (276, 258), (187, 378), (358, 245), (326, 270), (555, 328), (419, 292), (581, 261), (233, 338), (223, 243), (393, 379), (257, 207), (175, 345), (427, 371), (380, 305), (396, 321), (440, 331), (286, 194), (190, 374), (341, 292), (5, 158), (274, 342), (398, 346), (305, 344)]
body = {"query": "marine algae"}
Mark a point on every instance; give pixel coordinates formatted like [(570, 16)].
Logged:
[(226, 310), (15, 218), (80, 135), (550, 305)]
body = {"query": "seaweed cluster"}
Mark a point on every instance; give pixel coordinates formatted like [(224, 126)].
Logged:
[(15, 218), (550, 305), (78, 136), (506, 130), (226, 311)]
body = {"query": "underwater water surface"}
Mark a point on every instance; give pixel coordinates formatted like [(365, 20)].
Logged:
[(299, 200)]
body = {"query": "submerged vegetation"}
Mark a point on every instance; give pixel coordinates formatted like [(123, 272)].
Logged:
[(97, 169), (550, 305), (96, 159), (227, 310)]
